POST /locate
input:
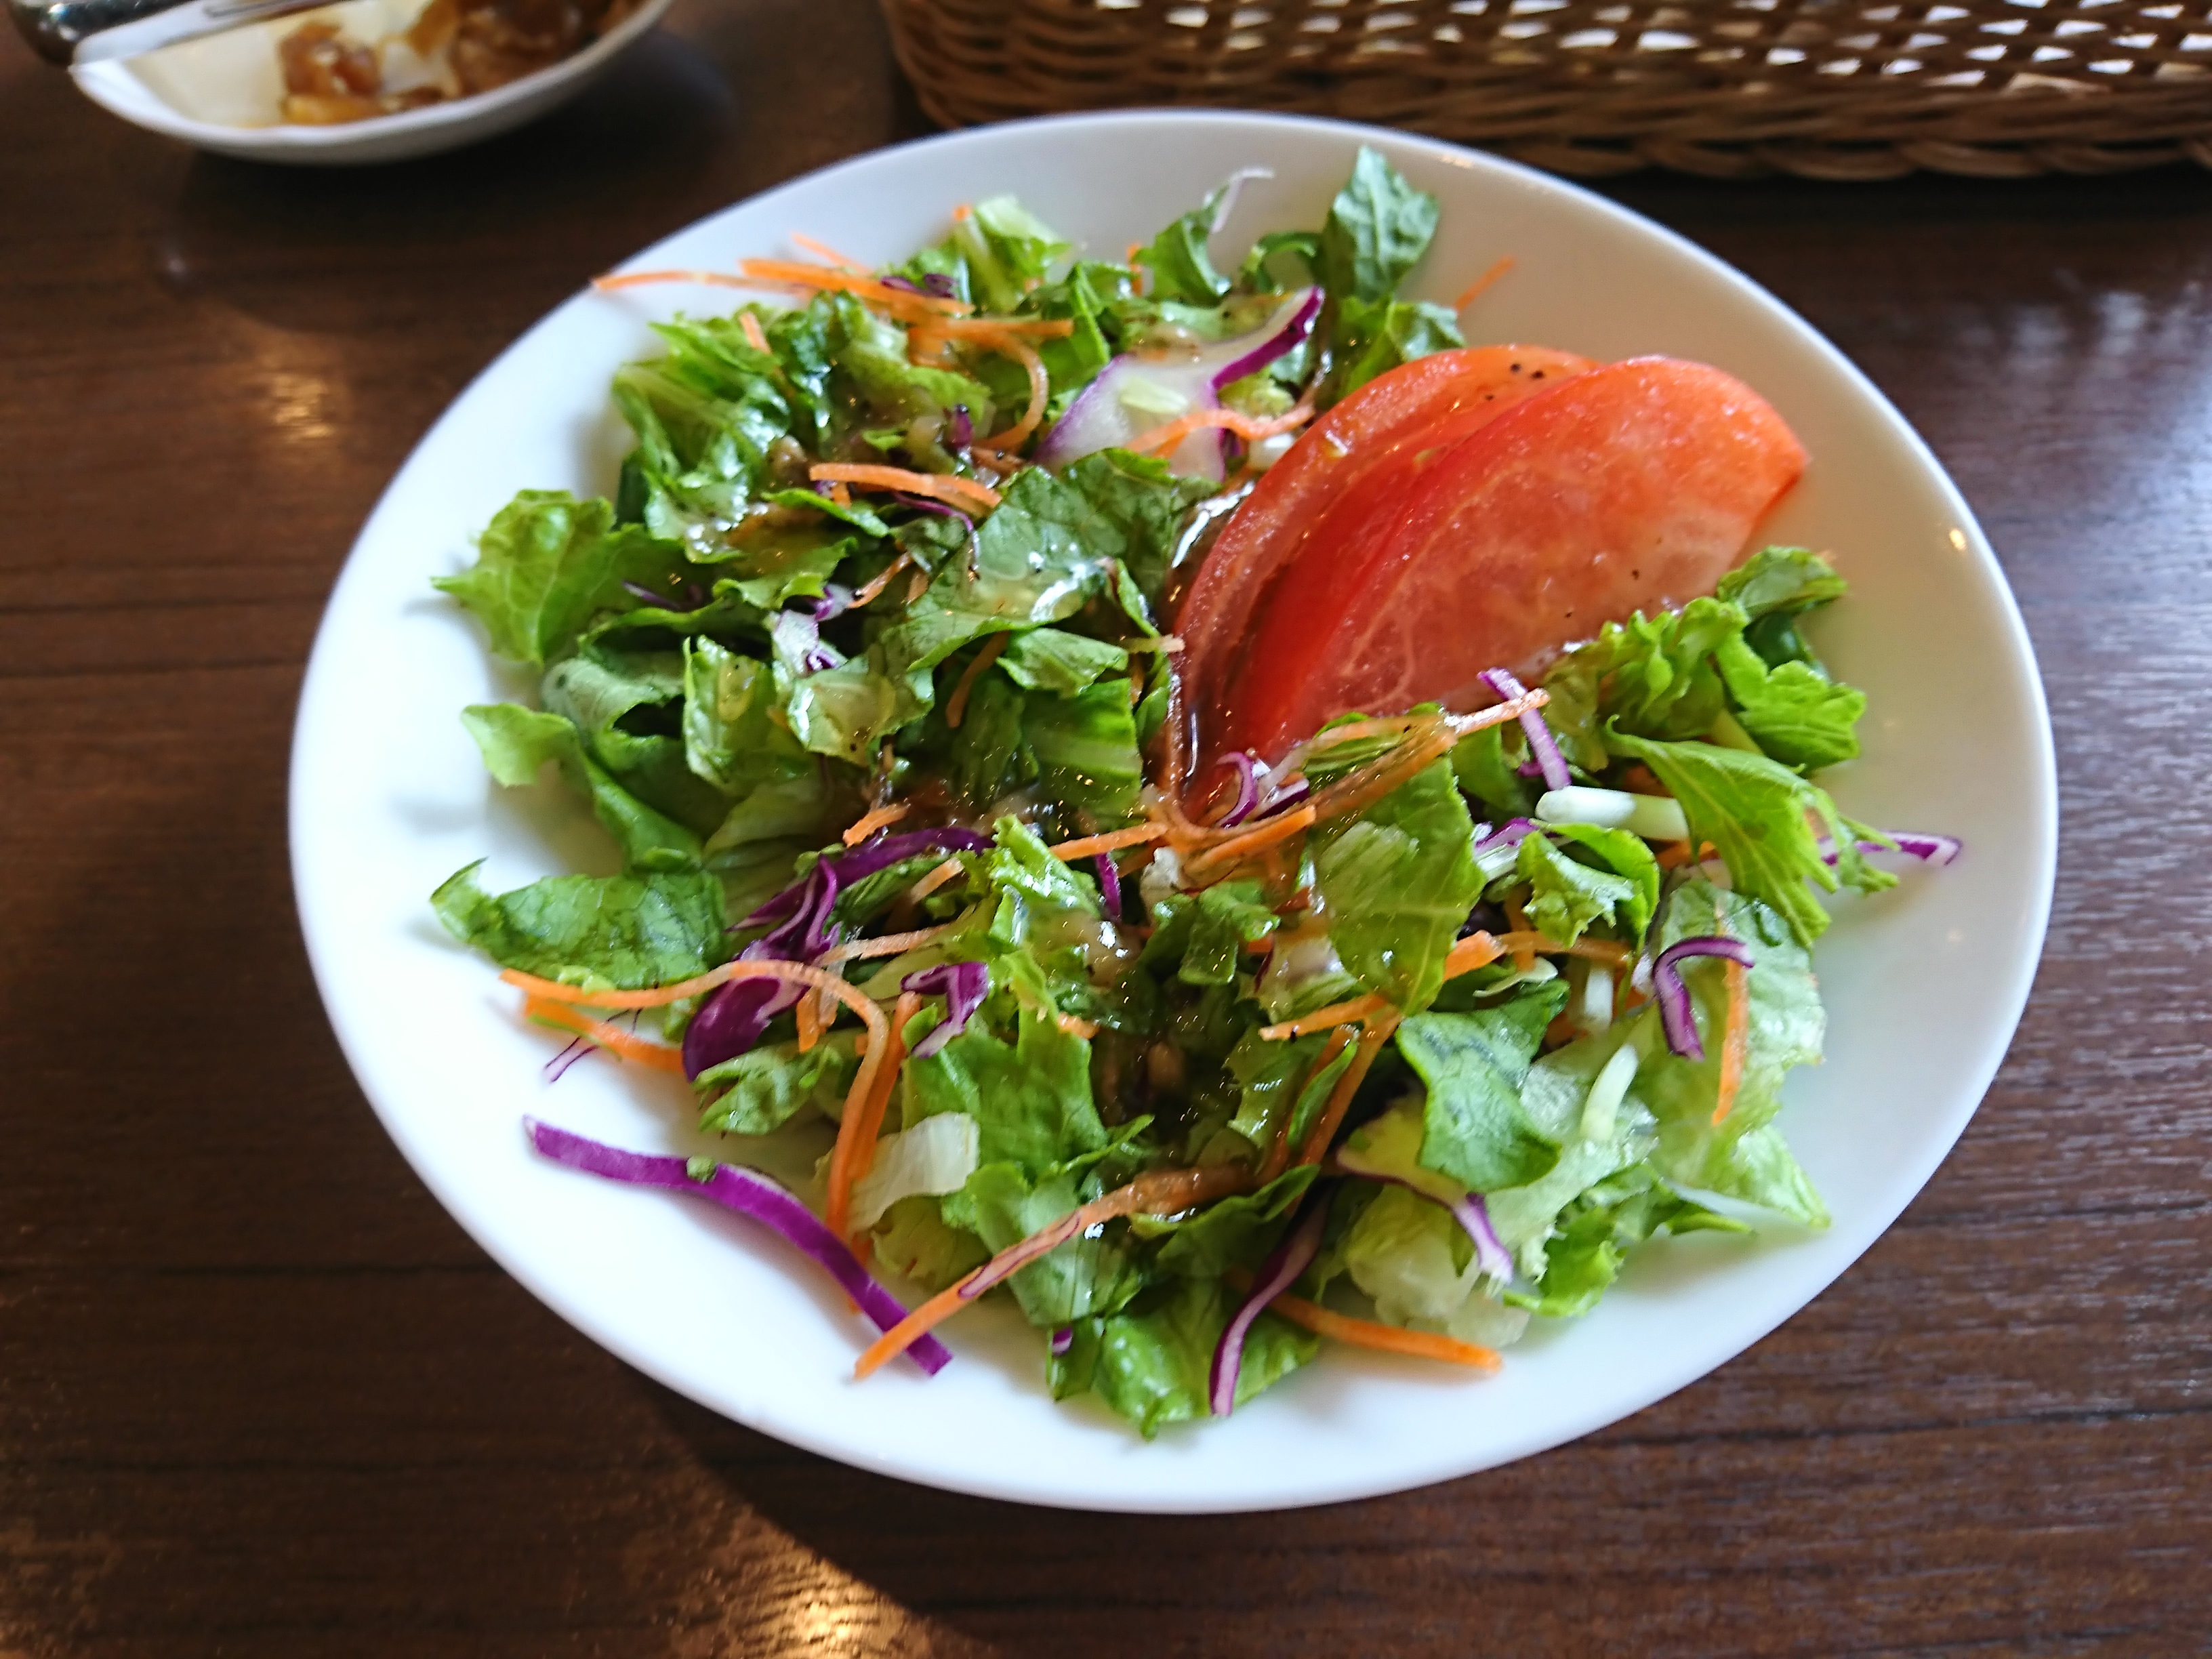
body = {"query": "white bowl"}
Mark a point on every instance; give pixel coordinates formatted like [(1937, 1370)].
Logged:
[(222, 93), (1925, 982)]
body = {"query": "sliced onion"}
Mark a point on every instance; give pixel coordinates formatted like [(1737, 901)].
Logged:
[(799, 636), (1602, 1106), (963, 985), (1109, 886), (1542, 748), (1134, 395), (1062, 1340), (1286, 797), (1277, 1274), (1490, 1251), (1676, 1017), (959, 428), (1248, 787), (751, 1194), (1286, 339), (1923, 844), (1497, 850), (1654, 817)]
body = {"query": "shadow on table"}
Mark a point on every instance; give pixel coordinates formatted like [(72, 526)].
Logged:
[(956, 1570)]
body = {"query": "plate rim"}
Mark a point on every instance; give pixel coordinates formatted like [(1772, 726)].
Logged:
[(1866, 1227)]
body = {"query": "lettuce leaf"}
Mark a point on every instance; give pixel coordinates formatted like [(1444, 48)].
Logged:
[(1089, 1276), (1031, 1097), (547, 563), (1151, 1362), (729, 737), (1754, 810), (1273, 1078), (915, 1240), (516, 742), (1182, 266), (1567, 894), (1234, 1232), (1652, 675), (761, 1089), (1054, 660), (1378, 227), (1084, 747), (624, 931), (1373, 337), (1740, 1156), (1397, 884), (1793, 711), (1474, 1128), (1599, 1228)]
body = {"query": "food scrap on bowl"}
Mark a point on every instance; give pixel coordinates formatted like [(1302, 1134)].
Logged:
[(454, 49)]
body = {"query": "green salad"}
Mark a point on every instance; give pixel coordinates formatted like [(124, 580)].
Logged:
[(1399, 1035)]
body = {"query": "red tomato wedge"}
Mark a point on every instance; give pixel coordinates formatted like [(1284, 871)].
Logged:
[(1632, 487), (1360, 434)]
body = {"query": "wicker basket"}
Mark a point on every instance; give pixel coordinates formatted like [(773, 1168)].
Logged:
[(1827, 88)]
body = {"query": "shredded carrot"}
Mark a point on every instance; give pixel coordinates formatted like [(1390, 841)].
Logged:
[(795, 273), (1371, 1040), (939, 486), (823, 250), (1130, 257), (935, 880), (1161, 440), (1076, 1026), (1735, 1049), (956, 706), (754, 336), (839, 496), (857, 1133), (1477, 949), (863, 1115), (1481, 284), (1279, 1154), (809, 1015), (639, 278), (660, 996), (1275, 830), (1524, 952), (988, 328), (1320, 1019), (1678, 852), (1166, 1192), (1040, 392), (868, 822), (1370, 1334), (1594, 950), (658, 1055), (1112, 842), (1360, 788), (868, 593), (964, 211), (890, 945)]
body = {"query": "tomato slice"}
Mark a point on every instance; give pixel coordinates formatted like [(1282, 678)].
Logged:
[(1632, 487), (1285, 507)]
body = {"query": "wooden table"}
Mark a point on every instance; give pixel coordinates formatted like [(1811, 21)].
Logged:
[(259, 1396)]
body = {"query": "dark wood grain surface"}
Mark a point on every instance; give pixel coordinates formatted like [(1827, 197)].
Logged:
[(258, 1396)]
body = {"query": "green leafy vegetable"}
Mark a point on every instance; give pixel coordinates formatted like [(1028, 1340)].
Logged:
[(624, 931), (1398, 882), (1474, 1128), (547, 564), (1754, 811), (761, 1089)]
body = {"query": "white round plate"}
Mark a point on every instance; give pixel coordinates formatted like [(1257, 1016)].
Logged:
[(1925, 982), (222, 92)]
